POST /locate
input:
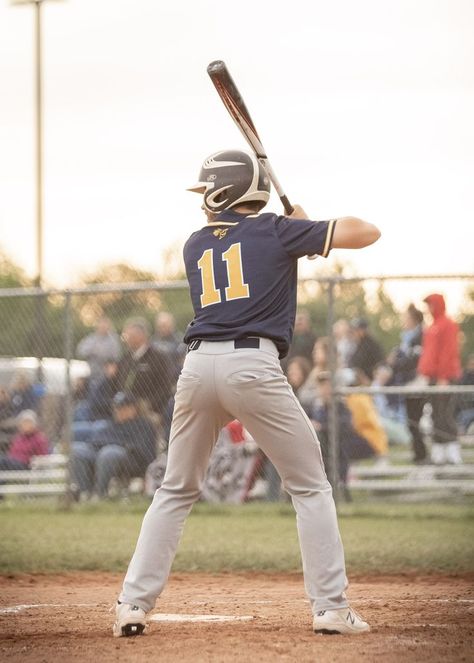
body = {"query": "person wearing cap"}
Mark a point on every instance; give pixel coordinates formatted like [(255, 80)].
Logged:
[(123, 450), (367, 352), (145, 371), (440, 364), (353, 441), (28, 442)]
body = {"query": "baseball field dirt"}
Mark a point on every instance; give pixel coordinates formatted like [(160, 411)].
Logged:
[(45, 618)]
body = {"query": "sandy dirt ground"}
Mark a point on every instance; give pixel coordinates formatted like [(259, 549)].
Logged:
[(65, 618)]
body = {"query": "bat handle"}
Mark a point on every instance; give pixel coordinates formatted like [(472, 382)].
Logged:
[(287, 206)]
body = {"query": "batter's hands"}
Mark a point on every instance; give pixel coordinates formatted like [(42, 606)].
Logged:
[(298, 213)]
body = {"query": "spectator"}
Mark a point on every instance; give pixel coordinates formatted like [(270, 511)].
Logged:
[(465, 405), (123, 450), (80, 394), (345, 345), (101, 394), (390, 417), (7, 420), (99, 347), (28, 442), (143, 370), (167, 340), (297, 373), (367, 351), (365, 418), (92, 416), (6, 411), (320, 356), (23, 395), (404, 360), (303, 337), (440, 364), (352, 445)]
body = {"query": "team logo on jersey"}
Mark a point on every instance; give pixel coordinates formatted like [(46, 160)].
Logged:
[(220, 232)]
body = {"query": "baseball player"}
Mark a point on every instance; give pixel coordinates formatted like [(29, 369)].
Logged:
[(242, 272)]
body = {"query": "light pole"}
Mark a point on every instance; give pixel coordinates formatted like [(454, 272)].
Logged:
[(39, 135), (39, 331)]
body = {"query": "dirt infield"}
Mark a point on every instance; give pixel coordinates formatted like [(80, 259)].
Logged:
[(64, 618)]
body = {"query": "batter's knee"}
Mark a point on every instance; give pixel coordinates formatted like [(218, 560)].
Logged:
[(177, 495), (314, 489)]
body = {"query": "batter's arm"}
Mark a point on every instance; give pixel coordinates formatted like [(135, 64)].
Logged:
[(349, 232), (353, 233)]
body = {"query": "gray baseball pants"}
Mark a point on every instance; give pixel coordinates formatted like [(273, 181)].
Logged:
[(219, 383)]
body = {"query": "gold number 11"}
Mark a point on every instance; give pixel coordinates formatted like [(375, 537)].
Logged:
[(236, 289)]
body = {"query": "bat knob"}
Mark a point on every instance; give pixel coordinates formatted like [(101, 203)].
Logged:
[(216, 66)]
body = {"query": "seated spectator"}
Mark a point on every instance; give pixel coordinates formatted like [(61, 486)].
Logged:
[(366, 420), (23, 395), (94, 414), (80, 392), (367, 351), (465, 403), (102, 393), (28, 442), (123, 450), (352, 445), (391, 418), (100, 347)]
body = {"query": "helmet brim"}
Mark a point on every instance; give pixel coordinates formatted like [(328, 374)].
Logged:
[(199, 187)]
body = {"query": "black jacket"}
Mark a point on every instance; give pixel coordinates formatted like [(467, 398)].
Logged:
[(150, 378), (367, 355)]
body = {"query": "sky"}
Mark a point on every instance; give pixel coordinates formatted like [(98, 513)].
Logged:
[(365, 108)]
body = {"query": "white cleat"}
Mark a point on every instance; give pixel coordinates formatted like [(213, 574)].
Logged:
[(453, 453), (130, 620), (438, 453), (345, 621)]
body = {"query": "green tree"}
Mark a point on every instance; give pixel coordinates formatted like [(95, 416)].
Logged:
[(30, 326)]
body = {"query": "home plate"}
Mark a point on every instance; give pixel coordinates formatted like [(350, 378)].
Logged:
[(160, 617)]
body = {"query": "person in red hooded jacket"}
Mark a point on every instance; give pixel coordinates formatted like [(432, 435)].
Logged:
[(440, 363)]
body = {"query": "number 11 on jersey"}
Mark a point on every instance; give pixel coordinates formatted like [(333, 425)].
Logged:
[(237, 288)]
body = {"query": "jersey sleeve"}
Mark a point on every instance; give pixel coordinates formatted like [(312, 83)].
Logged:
[(305, 238)]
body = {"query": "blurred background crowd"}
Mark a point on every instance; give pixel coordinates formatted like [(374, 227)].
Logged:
[(122, 406)]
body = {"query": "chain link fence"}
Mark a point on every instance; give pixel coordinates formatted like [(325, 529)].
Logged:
[(87, 378)]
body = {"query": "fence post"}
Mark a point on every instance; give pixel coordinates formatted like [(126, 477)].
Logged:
[(332, 421), (68, 400)]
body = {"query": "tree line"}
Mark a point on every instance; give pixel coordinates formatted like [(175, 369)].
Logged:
[(36, 326)]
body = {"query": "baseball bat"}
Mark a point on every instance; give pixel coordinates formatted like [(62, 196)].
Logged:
[(232, 100)]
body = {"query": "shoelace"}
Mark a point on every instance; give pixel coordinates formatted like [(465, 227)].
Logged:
[(321, 613)]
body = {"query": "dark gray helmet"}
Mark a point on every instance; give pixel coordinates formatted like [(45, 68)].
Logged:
[(231, 178)]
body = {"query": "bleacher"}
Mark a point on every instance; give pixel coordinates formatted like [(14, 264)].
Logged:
[(47, 476), (402, 477)]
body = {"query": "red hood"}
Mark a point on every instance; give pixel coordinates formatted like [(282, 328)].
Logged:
[(437, 304)]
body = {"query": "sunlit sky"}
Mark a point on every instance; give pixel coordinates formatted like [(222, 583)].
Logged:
[(365, 107)]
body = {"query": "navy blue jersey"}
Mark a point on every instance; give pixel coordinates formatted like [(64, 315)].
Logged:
[(242, 273)]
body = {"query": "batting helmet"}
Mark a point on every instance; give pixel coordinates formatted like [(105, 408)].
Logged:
[(231, 178)]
